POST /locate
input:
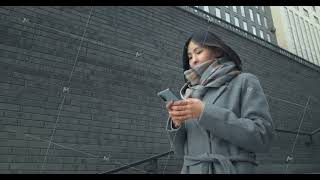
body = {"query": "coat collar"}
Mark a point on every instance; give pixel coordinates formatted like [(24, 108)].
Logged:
[(211, 96)]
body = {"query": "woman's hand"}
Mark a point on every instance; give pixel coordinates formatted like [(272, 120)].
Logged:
[(176, 123), (182, 110)]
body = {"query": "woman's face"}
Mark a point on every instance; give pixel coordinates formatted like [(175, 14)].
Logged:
[(198, 54)]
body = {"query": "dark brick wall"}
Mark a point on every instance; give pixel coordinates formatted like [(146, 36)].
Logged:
[(112, 116)]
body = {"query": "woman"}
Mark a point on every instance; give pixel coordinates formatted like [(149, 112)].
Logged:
[(223, 118)]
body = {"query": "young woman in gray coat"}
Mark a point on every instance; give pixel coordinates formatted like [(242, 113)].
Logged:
[(223, 118)]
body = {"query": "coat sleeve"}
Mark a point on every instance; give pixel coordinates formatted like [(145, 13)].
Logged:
[(252, 131), (177, 137)]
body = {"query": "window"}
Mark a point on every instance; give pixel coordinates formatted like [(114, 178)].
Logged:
[(265, 22), (262, 7), (261, 34), (300, 38), (258, 18), (195, 9), (305, 12), (294, 26), (254, 30), (306, 37), (251, 15), (245, 27), (236, 21), (268, 38), (228, 17), (218, 13), (242, 11), (290, 29), (206, 8), (234, 9), (316, 19), (316, 42)]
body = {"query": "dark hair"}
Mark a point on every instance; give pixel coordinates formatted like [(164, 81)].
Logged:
[(209, 39)]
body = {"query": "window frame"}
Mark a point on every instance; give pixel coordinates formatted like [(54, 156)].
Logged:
[(259, 19), (238, 23), (227, 19), (242, 11), (219, 10), (261, 34), (245, 25), (265, 22), (254, 30), (206, 7), (251, 15), (305, 12), (316, 19), (268, 37), (235, 9)]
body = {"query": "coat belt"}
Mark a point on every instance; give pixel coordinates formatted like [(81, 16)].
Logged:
[(206, 160)]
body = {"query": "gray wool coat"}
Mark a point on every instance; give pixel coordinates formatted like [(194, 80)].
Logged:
[(234, 125)]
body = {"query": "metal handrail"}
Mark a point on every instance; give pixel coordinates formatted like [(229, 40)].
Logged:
[(315, 131), (294, 132), (138, 162), (301, 133)]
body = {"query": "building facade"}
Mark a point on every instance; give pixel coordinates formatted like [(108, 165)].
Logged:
[(256, 20), (298, 30)]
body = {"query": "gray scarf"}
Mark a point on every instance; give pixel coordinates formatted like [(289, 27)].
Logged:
[(212, 73)]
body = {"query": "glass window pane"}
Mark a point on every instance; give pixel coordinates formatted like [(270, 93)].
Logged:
[(195, 9), (305, 12), (228, 17), (316, 19), (254, 30), (234, 9), (251, 14), (242, 11), (261, 34), (265, 22), (258, 18), (206, 8), (268, 38), (245, 27), (218, 13), (236, 21)]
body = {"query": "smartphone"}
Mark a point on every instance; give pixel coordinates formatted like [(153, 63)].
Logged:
[(167, 95)]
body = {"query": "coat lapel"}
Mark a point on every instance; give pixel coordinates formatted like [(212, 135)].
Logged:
[(214, 95)]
